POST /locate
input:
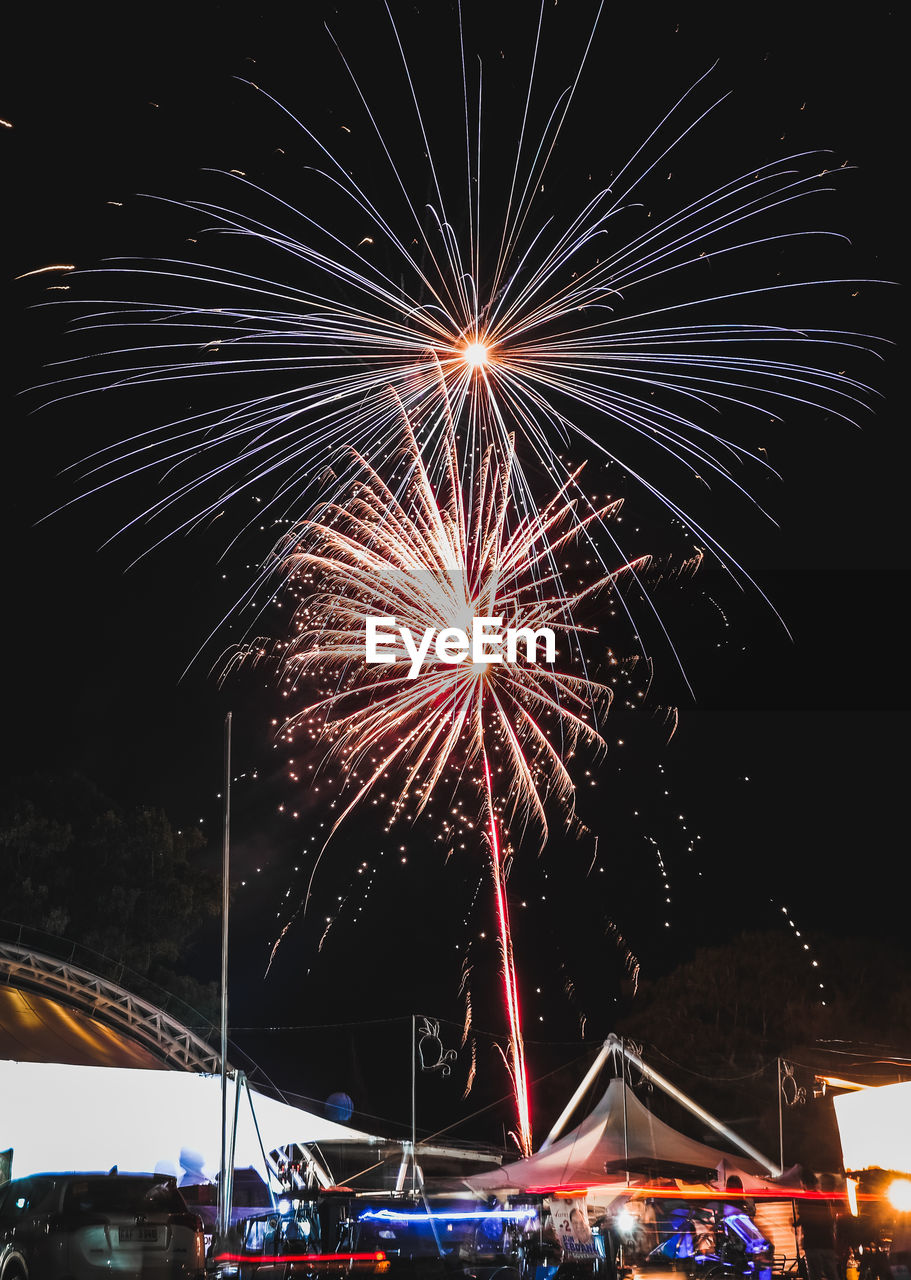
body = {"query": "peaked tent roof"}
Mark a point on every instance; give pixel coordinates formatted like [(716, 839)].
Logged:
[(619, 1134)]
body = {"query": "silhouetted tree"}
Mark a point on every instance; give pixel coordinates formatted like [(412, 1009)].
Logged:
[(124, 884), (718, 1024)]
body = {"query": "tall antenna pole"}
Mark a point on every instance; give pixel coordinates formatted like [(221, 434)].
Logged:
[(414, 1132), (780, 1121), (224, 1207)]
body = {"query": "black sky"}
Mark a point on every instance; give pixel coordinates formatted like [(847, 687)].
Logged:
[(790, 763)]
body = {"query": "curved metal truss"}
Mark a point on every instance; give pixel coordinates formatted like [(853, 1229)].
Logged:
[(171, 1041)]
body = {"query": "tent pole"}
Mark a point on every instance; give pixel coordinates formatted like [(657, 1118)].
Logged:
[(225, 898), (577, 1097), (673, 1092), (259, 1138), (320, 1171), (403, 1170), (625, 1117), (228, 1174)]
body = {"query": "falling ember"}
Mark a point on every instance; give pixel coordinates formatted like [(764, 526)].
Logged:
[(433, 558), (40, 271)]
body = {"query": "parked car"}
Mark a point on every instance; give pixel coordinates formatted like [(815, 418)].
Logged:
[(306, 1235), (337, 1236), (86, 1225)]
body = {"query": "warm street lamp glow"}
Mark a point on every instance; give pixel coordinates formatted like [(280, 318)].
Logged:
[(874, 1126), (899, 1195)]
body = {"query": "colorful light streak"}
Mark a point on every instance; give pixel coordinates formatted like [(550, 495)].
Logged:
[(309, 1259), (692, 1192), (440, 1215)]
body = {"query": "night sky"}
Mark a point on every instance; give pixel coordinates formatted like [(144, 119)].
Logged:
[(789, 762)]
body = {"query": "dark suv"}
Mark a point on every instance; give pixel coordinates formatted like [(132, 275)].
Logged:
[(83, 1226)]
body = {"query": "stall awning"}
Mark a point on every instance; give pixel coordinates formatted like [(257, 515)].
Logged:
[(875, 1128)]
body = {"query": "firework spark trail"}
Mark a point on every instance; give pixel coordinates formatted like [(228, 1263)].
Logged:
[(526, 323), (417, 553), (516, 1061)]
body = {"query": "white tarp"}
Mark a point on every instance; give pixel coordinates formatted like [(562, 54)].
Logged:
[(58, 1117), (874, 1125)]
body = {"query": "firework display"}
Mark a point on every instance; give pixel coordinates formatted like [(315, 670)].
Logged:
[(596, 328), (401, 363)]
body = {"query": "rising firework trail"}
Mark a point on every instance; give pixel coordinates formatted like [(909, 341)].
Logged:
[(407, 550)]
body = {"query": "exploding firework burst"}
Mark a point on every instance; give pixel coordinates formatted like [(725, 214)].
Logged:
[(603, 325), (421, 557), (418, 554)]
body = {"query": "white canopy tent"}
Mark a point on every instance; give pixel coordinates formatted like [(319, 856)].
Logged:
[(59, 1117), (620, 1134)]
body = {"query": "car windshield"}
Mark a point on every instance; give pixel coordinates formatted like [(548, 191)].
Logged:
[(115, 1194)]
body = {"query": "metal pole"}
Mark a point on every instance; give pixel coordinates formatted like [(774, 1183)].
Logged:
[(780, 1122), (223, 1208), (414, 1135)]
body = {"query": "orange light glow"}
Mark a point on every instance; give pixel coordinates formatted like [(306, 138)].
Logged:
[(899, 1195), (698, 1191)]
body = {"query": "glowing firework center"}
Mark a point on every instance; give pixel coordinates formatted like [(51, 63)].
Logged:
[(476, 354), (483, 642)]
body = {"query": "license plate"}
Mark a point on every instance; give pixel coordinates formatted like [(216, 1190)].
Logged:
[(139, 1235)]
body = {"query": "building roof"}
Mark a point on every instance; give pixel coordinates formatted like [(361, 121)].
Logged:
[(55, 1010), (34, 1028)]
